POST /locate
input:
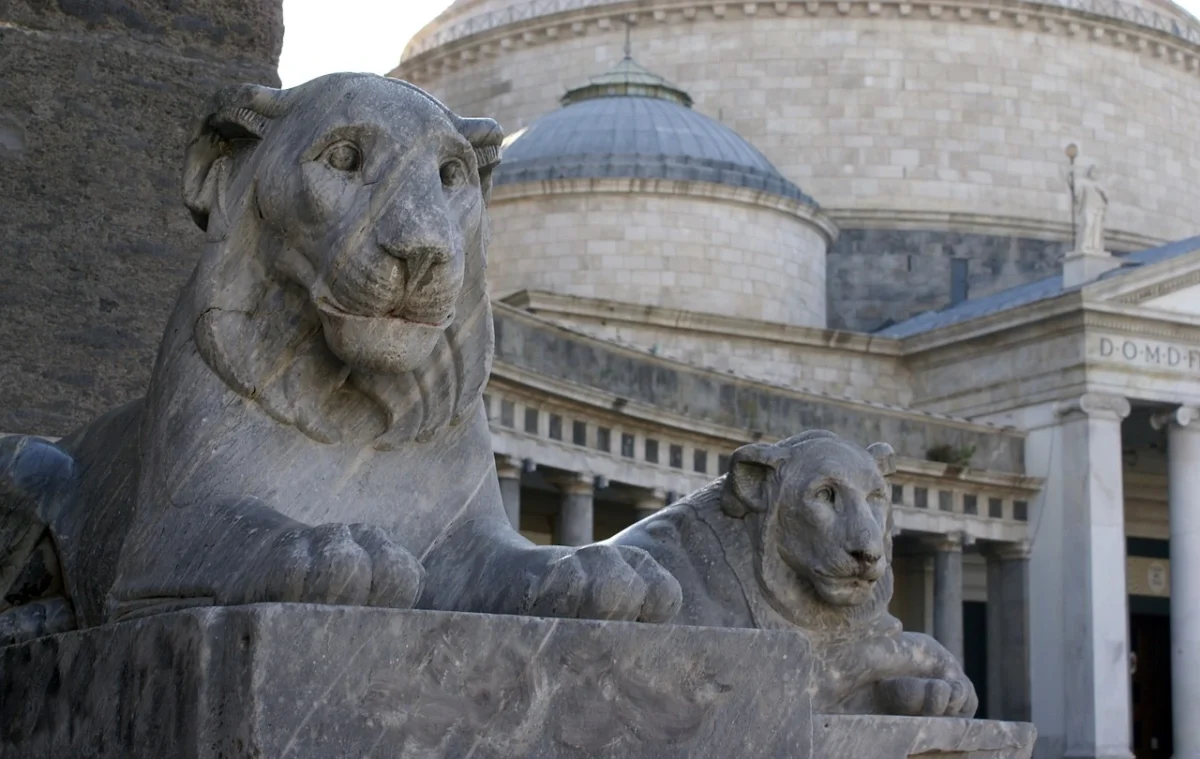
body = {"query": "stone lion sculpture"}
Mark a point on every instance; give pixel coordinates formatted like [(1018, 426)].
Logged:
[(312, 430), (798, 536)]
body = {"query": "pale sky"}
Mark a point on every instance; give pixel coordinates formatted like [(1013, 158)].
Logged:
[(324, 36)]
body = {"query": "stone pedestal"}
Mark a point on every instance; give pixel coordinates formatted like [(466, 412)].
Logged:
[(314, 681), (948, 595), (1183, 494), (1081, 267), (508, 471)]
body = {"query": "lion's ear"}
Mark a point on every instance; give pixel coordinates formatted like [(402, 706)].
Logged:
[(885, 458), (235, 116), (487, 137), (747, 486)]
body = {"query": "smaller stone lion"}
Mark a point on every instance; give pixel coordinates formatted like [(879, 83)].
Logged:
[(798, 536)]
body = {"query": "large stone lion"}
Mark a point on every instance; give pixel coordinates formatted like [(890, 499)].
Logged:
[(312, 430), (797, 536)]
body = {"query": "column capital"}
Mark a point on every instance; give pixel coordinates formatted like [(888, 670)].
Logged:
[(949, 543), (1180, 416), (574, 483), (1008, 551), (1095, 406), (508, 467)]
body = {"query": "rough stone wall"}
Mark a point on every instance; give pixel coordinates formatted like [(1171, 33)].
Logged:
[(880, 276), (888, 115), (673, 251), (96, 100)]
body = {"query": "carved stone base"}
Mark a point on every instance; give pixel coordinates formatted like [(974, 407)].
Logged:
[(315, 681), (1081, 267)]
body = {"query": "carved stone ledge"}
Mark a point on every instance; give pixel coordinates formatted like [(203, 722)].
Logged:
[(1181, 416), (1096, 406)]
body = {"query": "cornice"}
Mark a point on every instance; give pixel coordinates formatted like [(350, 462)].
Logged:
[(1160, 289), (1142, 283), (1109, 22), (980, 224), (508, 311), (1133, 320), (986, 326), (603, 404), (805, 212), (711, 324)]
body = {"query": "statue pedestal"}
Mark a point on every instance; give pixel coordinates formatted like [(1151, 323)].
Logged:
[(315, 681), (1081, 267)]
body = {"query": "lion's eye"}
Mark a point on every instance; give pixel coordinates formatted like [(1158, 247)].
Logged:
[(825, 495), (454, 174), (344, 157)]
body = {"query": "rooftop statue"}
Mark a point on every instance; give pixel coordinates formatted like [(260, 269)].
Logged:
[(313, 430), (1089, 206)]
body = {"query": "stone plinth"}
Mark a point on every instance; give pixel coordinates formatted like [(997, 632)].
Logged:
[(314, 681)]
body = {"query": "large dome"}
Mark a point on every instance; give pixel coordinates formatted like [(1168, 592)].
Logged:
[(630, 123), (626, 194)]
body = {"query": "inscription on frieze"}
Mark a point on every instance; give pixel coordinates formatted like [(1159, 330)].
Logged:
[(1143, 352)]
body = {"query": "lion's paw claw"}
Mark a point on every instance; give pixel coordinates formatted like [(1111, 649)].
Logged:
[(351, 565), (606, 582)]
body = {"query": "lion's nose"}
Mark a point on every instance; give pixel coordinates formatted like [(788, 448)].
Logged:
[(865, 556), (420, 238)]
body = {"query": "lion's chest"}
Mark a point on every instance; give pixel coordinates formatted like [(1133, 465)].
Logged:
[(215, 445)]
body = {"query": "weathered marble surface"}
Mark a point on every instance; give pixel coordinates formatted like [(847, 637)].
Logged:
[(294, 680), (317, 681), (842, 736), (798, 536)]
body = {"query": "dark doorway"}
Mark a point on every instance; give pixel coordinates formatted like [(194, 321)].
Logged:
[(1150, 642), (975, 650)]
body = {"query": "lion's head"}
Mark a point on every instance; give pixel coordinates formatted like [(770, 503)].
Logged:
[(822, 518), (351, 208)]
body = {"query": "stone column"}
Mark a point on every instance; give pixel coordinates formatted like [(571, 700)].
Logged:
[(1183, 497), (576, 512), (1094, 602), (508, 470), (648, 503), (948, 595), (1008, 632)]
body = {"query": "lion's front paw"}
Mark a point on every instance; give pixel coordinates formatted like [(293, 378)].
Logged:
[(928, 697), (606, 582), (351, 565)]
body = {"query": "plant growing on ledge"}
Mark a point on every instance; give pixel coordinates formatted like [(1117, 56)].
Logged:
[(959, 456)]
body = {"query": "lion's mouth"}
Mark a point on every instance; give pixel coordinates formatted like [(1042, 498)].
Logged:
[(327, 306), (855, 578)]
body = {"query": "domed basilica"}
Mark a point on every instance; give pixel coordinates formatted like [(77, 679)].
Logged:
[(969, 229)]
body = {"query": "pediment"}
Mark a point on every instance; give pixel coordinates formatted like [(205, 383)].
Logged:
[(1182, 301), (1170, 286)]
